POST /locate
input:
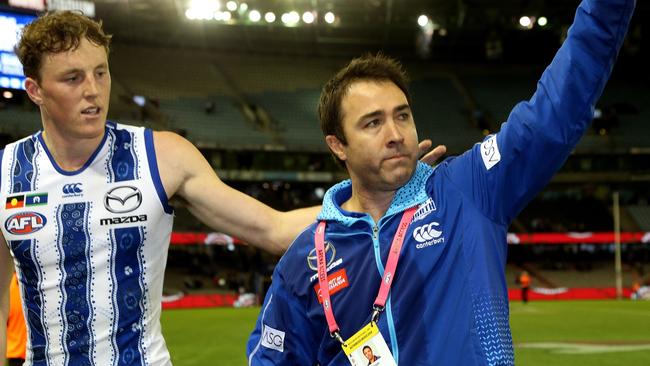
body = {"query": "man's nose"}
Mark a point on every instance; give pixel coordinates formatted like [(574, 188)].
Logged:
[(393, 132), (91, 88)]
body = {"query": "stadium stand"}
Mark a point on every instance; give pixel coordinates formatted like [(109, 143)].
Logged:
[(628, 102), (641, 215), (254, 118), (19, 121)]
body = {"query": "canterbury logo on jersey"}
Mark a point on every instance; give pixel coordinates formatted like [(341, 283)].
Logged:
[(427, 235), (72, 189)]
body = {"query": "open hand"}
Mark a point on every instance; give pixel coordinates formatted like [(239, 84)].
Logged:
[(432, 156)]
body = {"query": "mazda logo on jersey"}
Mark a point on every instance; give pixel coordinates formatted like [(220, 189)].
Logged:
[(330, 253), (25, 223), (123, 220), (123, 199)]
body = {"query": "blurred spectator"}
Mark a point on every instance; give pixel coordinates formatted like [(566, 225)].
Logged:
[(16, 331), (524, 283), (641, 292), (245, 299)]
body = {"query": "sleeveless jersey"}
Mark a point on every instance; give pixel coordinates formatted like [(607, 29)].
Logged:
[(90, 249)]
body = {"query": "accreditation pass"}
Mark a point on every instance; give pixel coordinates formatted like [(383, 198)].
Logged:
[(368, 347)]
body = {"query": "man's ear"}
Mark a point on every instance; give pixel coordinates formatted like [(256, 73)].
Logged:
[(33, 91), (336, 146)]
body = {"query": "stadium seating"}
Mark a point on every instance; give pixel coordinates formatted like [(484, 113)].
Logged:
[(19, 122), (641, 215)]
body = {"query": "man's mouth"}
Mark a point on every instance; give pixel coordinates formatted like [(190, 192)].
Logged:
[(397, 157), (91, 111)]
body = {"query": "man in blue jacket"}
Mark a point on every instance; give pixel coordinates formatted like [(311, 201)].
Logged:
[(434, 238)]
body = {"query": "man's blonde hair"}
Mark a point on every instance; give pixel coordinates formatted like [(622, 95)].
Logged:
[(55, 32)]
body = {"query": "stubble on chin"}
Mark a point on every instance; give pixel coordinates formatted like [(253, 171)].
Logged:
[(398, 177)]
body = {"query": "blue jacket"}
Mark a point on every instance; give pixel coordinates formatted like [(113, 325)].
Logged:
[(449, 301)]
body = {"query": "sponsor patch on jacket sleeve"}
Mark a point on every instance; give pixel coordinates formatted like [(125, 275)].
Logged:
[(273, 338), (490, 152)]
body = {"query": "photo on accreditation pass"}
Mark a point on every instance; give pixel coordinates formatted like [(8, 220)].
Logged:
[(373, 354)]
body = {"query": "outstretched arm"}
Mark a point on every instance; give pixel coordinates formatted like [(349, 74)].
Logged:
[(184, 171), (502, 174), (6, 270)]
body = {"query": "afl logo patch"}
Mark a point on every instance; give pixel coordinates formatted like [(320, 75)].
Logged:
[(25, 223)]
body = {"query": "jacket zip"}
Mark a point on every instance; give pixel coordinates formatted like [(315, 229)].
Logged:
[(387, 310)]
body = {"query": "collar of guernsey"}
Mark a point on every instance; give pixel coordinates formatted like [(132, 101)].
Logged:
[(412, 193)]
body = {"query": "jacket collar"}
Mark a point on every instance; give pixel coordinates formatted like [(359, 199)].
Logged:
[(411, 194)]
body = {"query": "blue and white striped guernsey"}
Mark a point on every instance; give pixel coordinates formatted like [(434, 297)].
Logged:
[(90, 249)]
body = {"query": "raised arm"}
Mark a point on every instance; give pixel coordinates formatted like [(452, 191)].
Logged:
[(6, 271), (184, 171), (504, 172)]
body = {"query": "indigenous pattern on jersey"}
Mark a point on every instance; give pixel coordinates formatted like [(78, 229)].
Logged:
[(90, 248)]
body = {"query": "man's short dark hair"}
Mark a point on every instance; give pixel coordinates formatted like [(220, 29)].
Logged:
[(55, 32), (369, 67), (364, 348)]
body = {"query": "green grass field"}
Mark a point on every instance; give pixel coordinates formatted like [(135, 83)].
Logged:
[(559, 333)]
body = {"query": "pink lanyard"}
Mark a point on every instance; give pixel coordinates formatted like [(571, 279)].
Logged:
[(386, 282)]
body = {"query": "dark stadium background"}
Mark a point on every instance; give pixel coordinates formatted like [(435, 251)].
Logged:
[(246, 94)]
